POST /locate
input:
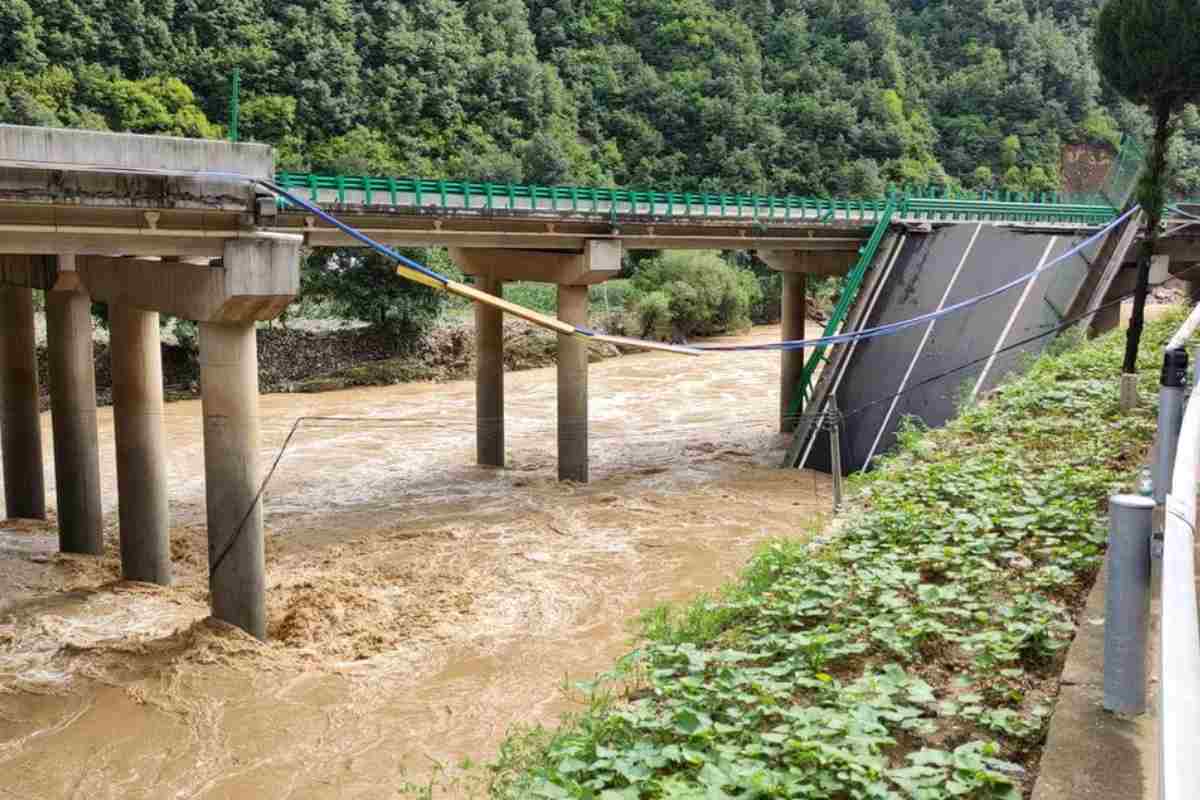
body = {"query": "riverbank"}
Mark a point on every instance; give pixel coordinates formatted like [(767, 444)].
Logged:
[(916, 650)]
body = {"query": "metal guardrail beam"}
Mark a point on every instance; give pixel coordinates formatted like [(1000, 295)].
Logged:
[(458, 196), (1179, 625)]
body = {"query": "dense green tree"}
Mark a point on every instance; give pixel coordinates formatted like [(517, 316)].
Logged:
[(1148, 51), (804, 96), (758, 95), (21, 36)]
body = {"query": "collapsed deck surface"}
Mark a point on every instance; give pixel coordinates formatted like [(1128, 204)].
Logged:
[(929, 271)]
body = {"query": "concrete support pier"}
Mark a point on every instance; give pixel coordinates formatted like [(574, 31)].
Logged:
[(149, 231), (795, 307), (572, 272), (141, 444), (572, 387), (229, 396), (20, 422), (489, 377), (21, 429), (796, 266), (73, 407)]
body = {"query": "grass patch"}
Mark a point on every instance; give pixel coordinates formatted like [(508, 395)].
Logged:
[(915, 653), (604, 298), (384, 372)]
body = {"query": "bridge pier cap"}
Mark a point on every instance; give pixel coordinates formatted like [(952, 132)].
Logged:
[(599, 261), (256, 280)]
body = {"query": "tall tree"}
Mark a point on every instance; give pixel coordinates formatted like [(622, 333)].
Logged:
[(1149, 51)]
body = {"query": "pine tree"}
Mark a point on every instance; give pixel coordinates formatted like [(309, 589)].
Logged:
[(1149, 51)]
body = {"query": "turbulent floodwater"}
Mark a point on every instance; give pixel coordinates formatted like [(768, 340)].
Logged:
[(419, 606)]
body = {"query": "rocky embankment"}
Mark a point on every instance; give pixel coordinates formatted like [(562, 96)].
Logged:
[(308, 361)]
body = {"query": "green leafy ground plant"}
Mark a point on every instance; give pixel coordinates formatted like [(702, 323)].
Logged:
[(912, 652)]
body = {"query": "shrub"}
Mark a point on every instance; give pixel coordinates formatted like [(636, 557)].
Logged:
[(685, 294), (769, 307), (365, 286), (541, 297), (654, 314)]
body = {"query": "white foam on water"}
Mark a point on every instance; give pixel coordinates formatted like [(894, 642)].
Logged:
[(46, 649)]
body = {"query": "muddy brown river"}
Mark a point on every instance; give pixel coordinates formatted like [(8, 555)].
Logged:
[(419, 606)]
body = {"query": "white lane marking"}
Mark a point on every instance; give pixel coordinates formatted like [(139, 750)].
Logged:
[(921, 347), (1011, 319)]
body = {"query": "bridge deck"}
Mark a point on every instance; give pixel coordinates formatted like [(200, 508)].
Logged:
[(430, 213)]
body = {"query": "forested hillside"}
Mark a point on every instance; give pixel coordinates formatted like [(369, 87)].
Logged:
[(807, 96)]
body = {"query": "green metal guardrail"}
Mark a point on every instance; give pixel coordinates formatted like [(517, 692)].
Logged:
[(919, 204), (1004, 211), (504, 196), (850, 289)]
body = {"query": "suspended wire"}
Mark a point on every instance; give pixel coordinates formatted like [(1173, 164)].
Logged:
[(351, 231), (384, 250), (824, 419)]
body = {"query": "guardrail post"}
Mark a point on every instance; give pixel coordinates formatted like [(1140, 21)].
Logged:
[(1171, 397), (835, 453), (1127, 603)]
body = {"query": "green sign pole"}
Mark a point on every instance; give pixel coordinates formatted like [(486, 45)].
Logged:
[(235, 91)]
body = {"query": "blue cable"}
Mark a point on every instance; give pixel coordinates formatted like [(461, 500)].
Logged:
[(352, 232)]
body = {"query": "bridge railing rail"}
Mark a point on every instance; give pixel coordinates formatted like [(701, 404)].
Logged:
[(1179, 623), (386, 193)]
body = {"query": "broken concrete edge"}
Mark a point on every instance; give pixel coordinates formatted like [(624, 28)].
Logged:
[(70, 149), (1090, 753)]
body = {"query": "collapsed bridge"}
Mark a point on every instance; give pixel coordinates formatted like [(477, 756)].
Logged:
[(869, 386), (195, 229)]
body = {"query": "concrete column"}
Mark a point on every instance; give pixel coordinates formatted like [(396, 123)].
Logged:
[(229, 395), (572, 388), (489, 378), (141, 444), (20, 420), (795, 308), (73, 407)]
